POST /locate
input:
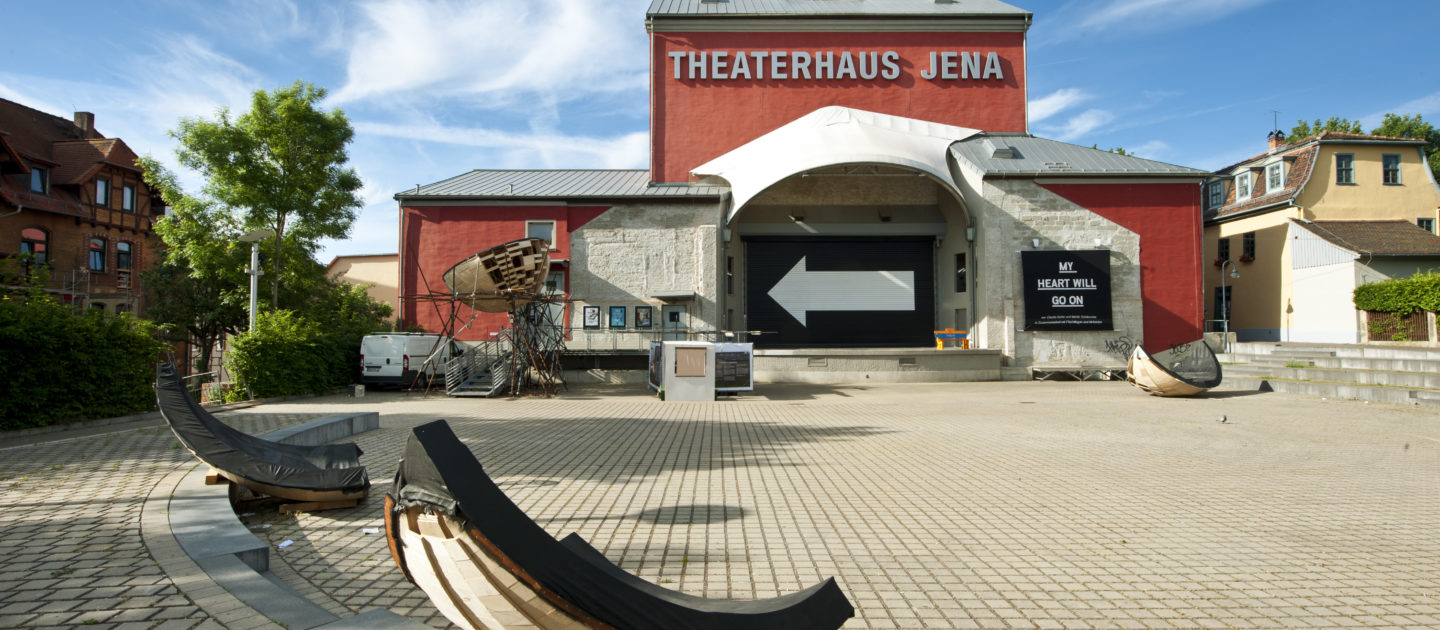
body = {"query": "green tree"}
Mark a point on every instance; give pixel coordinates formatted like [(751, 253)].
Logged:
[(1413, 126), (200, 286), (282, 164), (1303, 130)]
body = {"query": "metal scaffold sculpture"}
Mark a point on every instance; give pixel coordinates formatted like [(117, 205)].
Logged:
[(523, 358)]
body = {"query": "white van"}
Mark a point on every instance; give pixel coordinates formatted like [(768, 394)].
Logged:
[(395, 359)]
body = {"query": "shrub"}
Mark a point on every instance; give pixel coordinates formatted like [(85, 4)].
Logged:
[(63, 366), (1401, 296), (283, 356)]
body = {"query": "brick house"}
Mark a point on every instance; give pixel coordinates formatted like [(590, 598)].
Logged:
[(75, 201)]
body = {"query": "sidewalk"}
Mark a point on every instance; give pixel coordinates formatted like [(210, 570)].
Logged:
[(971, 505)]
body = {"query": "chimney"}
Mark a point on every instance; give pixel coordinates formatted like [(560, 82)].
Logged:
[(85, 121), (1276, 139)]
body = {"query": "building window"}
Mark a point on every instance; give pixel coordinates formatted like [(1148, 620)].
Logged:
[(1426, 224), (35, 243), (960, 273), (97, 254), (555, 283), (127, 198), (1344, 168), (1247, 247), (730, 275), (1217, 194), (124, 257), (39, 179), (102, 192), (541, 229), (1222, 250), (1391, 164), (1274, 177), (1242, 186)]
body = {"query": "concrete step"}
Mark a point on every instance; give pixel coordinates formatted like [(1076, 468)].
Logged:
[(1361, 351), (1396, 395), (1385, 378), (1346, 363)]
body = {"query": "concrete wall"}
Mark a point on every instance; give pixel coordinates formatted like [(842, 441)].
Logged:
[(1009, 214), (633, 252)]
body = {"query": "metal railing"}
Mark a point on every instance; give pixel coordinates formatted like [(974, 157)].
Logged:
[(480, 357), (606, 340)]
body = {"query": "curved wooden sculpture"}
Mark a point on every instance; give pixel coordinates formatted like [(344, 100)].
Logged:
[(485, 564), (326, 474), (1184, 370), (502, 278)]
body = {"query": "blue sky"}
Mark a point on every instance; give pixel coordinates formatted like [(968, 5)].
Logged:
[(436, 88)]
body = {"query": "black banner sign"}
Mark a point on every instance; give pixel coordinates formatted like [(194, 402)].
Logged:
[(1067, 290)]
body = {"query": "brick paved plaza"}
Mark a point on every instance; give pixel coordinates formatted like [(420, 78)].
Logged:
[(976, 505)]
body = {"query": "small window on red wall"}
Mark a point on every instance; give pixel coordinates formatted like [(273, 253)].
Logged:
[(541, 229)]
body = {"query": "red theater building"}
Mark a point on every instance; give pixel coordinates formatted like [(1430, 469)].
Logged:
[(845, 178)]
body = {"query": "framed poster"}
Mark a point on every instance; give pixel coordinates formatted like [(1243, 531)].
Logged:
[(1067, 290), (592, 317), (643, 314), (617, 317)]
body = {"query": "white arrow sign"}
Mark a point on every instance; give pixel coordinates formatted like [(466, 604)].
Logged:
[(801, 291)]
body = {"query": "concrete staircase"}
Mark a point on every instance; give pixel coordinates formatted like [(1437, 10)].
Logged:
[(1407, 375)]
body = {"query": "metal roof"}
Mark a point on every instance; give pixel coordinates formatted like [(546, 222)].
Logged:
[(1029, 156), (554, 184), (829, 8)]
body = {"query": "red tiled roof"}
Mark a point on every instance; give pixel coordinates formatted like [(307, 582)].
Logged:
[(1392, 237), (73, 155)]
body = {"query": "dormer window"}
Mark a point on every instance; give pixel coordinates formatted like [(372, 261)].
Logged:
[(1274, 177), (1242, 186), (1217, 194), (39, 179), (102, 192)]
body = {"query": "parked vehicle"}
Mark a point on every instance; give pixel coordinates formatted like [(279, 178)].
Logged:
[(397, 359)]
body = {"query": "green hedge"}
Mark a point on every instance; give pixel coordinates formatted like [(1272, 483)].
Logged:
[(284, 355), (291, 353), (1401, 296), (60, 366)]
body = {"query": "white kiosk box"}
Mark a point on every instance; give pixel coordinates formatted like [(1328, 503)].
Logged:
[(683, 370)]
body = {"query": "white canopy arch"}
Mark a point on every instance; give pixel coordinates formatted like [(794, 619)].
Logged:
[(829, 136)]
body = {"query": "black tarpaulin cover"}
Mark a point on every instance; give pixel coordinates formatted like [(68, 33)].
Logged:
[(1193, 363), (318, 468), (439, 472)]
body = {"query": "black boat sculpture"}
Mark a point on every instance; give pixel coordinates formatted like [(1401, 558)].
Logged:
[(485, 564), (1184, 370), (325, 476)]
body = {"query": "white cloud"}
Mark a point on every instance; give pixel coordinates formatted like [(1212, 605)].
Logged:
[(1133, 15), (1152, 150), (1428, 105), (1084, 123), (494, 49), (1056, 102), (529, 150)]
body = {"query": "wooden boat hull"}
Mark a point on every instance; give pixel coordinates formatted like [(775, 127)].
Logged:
[(502, 278), (485, 564), (1185, 370)]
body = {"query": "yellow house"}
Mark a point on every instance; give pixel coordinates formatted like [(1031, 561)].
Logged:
[(380, 271), (1280, 266)]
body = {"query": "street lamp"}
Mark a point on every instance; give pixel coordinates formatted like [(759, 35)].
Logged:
[(1225, 298), (254, 237)]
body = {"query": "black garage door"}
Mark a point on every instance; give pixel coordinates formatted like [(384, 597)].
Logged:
[(846, 292)]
